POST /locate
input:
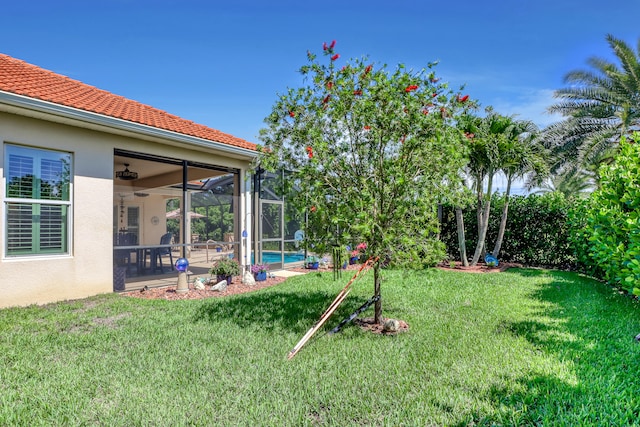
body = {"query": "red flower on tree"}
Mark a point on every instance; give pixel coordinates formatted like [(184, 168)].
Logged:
[(292, 114), (324, 46), (310, 151), (336, 56), (411, 88), (326, 99), (368, 69), (463, 98), (329, 85), (313, 209), (367, 128), (357, 92), (333, 44)]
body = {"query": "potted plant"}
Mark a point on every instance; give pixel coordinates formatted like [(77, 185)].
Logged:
[(260, 272), (345, 256), (358, 253), (353, 257), (225, 269), (312, 262)]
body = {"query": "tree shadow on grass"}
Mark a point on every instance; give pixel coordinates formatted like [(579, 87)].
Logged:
[(589, 328), (292, 311)]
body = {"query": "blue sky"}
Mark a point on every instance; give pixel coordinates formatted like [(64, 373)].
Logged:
[(222, 63)]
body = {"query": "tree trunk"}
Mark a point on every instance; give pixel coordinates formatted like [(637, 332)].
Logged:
[(376, 293), (484, 225), (503, 220), (479, 204), (439, 220), (462, 244)]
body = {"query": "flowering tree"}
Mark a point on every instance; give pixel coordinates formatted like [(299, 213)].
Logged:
[(371, 152)]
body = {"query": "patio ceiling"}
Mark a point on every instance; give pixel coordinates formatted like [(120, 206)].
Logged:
[(157, 177)]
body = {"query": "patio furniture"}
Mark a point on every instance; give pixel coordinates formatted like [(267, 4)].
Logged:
[(163, 250), (218, 251), (122, 256)]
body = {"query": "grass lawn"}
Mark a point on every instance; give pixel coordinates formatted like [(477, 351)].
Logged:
[(523, 347)]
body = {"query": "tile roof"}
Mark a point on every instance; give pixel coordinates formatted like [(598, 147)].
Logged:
[(22, 78)]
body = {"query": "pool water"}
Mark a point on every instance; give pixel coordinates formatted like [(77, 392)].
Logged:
[(275, 257)]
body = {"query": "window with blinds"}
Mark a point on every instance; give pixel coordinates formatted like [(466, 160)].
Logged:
[(37, 201)]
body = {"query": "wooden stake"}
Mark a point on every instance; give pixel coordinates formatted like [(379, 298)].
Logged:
[(318, 324), (329, 311)]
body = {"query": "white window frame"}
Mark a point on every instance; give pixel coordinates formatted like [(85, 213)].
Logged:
[(38, 155)]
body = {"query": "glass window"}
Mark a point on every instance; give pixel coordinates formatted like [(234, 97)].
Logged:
[(37, 201)]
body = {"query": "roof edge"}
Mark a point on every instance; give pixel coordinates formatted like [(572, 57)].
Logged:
[(72, 113)]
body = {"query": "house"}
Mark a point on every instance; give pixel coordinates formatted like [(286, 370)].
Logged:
[(88, 178)]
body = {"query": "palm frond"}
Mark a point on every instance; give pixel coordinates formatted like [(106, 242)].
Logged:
[(599, 105)]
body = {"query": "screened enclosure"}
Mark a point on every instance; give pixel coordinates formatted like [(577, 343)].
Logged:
[(279, 227), (168, 208)]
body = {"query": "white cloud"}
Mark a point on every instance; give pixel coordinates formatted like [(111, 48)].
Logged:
[(527, 104)]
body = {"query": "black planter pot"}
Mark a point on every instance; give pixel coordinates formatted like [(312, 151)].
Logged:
[(221, 277)]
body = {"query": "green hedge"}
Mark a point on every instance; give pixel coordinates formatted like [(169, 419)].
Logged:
[(537, 232), (606, 230)]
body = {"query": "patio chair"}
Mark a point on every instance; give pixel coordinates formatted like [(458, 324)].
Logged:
[(165, 240), (122, 257)]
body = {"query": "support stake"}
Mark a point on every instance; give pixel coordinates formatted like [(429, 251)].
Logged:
[(329, 311), (355, 314)]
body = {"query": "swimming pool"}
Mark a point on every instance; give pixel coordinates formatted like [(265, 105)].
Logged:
[(275, 257)]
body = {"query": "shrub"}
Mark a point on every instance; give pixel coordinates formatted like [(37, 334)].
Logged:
[(612, 217), (537, 232), (579, 238)]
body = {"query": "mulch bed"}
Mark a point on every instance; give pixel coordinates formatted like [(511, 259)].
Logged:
[(236, 287), (169, 292), (480, 267)]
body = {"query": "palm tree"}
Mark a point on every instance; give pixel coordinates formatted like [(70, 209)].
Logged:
[(489, 136), (599, 107), (521, 153), (480, 168), (498, 143), (570, 182)]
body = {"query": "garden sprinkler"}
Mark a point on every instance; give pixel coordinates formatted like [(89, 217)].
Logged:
[(182, 264)]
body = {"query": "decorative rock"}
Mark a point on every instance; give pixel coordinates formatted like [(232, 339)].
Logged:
[(248, 279), (199, 283), (220, 286), (391, 325)]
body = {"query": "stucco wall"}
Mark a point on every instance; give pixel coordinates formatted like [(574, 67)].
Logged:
[(89, 269)]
